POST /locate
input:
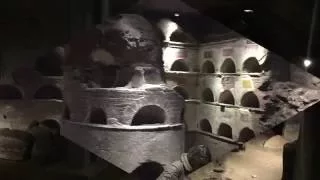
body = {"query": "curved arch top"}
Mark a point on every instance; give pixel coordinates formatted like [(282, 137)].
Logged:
[(147, 115), (208, 67), (48, 92), (207, 95), (98, 116), (251, 65), (225, 130), (226, 97), (10, 92), (228, 66), (179, 65), (249, 99), (246, 134), (205, 126)]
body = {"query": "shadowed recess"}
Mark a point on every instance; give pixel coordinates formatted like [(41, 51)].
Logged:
[(228, 66), (48, 92), (180, 90), (98, 116), (208, 67), (249, 99), (149, 115), (226, 97), (225, 130), (207, 95), (205, 126), (246, 134), (251, 65), (179, 65), (9, 92)]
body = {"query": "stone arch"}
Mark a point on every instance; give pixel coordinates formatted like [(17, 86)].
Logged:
[(180, 90), (205, 126), (150, 114), (228, 66), (97, 116), (251, 65), (9, 92), (246, 134), (49, 65), (208, 67), (226, 97), (225, 130), (207, 95), (48, 92), (179, 65), (249, 99)]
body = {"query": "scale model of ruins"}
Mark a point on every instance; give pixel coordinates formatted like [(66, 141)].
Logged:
[(119, 106)]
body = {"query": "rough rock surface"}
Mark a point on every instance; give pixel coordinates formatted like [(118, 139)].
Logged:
[(15, 144)]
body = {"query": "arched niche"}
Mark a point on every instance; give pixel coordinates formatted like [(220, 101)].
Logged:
[(246, 134), (225, 130), (181, 36), (179, 65), (208, 67), (48, 92), (205, 126), (207, 95), (180, 90), (251, 65), (226, 97), (228, 66), (9, 92), (249, 99), (150, 114), (49, 65), (98, 116)]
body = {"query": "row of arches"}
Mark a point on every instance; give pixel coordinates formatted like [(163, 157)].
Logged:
[(251, 65), (249, 99), (226, 131), (147, 115), (10, 92)]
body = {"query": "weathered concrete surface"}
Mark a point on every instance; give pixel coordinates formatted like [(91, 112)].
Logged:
[(125, 146), (19, 115), (15, 144)]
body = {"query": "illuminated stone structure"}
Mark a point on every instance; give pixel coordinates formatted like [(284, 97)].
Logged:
[(119, 107)]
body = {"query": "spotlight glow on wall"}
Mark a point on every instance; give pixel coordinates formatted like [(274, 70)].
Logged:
[(248, 11), (171, 28), (307, 63)]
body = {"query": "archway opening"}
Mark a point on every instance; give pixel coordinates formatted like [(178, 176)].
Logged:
[(180, 90), (226, 97), (225, 130), (207, 95), (98, 116), (251, 65), (179, 65), (205, 126), (246, 134), (9, 92), (228, 66), (208, 67), (149, 115), (249, 99), (48, 92)]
